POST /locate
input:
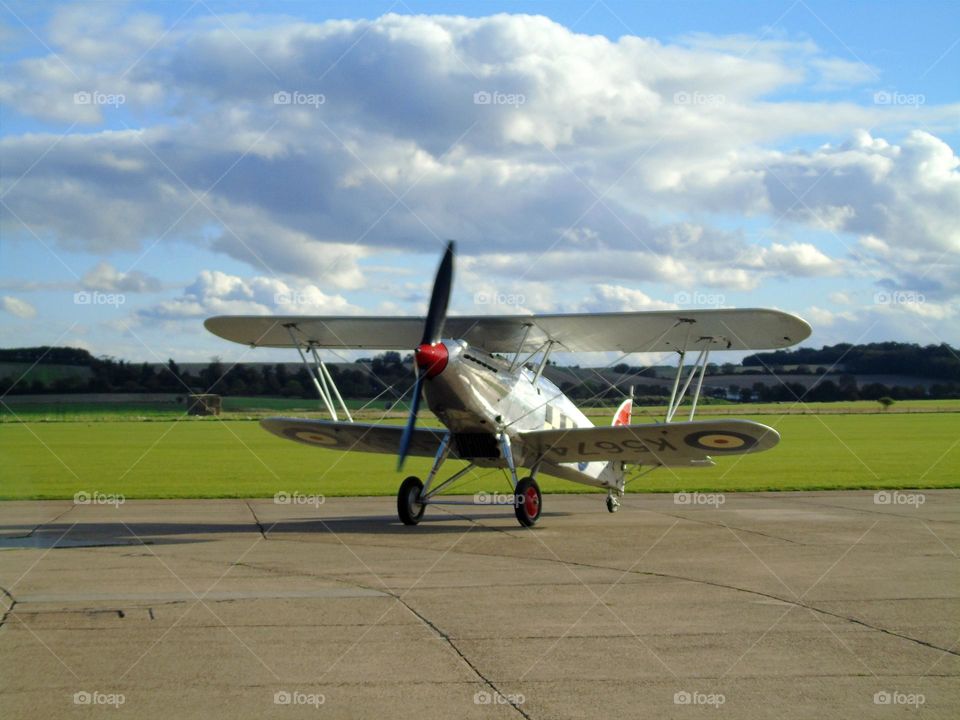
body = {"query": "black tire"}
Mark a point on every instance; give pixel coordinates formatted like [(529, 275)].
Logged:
[(528, 502), (409, 507)]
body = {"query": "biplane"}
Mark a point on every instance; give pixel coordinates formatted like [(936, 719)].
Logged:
[(483, 377)]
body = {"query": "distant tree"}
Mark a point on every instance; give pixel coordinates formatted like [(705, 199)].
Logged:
[(826, 391), (874, 391), (293, 388), (886, 401), (211, 375), (848, 387)]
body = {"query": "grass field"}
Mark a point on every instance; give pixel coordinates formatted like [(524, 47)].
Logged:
[(233, 407), (244, 408), (209, 457)]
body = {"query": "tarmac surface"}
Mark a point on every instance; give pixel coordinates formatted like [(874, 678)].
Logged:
[(760, 605)]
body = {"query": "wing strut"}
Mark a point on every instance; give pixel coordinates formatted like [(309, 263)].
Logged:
[(698, 370), (516, 357), (321, 377), (543, 361)]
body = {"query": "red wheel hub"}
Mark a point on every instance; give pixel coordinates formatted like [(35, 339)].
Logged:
[(531, 502)]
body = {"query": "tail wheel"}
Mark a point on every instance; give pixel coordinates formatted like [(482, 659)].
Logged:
[(409, 507), (613, 503), (528, 502)]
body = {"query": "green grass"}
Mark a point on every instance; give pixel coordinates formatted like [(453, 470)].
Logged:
[(233, 407), (234, 458), (245, 408), (12, 411), (803, 408)]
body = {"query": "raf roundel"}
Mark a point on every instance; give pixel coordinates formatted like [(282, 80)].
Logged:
[(724, 441), (313, 438)]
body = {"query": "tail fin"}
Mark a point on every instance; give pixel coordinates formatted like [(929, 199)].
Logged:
[(623, 414)]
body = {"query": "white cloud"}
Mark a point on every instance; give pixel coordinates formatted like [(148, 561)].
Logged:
[(610, 171), (217, 293), (795, 259), (820, 317), (107, 278), (838, 73), (17, 307), (612, 298)]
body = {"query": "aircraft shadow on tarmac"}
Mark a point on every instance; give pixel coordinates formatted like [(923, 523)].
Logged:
[(67, 535)]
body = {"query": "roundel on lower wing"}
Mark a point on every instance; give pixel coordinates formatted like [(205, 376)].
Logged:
[(308, 436), (720, 441)]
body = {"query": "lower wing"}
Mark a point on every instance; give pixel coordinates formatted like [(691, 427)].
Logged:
[(364, 437), (677, 444)]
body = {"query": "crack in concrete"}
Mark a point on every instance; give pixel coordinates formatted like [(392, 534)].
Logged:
[(389, 592), (511, 700), (9, 610), (722, 525), (803, 501), (43, 524), (256, 520), (684, 578)]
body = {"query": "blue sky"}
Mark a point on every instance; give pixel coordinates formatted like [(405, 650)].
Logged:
[(632, 156)]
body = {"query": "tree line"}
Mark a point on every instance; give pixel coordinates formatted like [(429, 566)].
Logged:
[(389, 375), (939, 362)]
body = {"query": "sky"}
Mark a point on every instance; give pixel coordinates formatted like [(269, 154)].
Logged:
[(161, 163)]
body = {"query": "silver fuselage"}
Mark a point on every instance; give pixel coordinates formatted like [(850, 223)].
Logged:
[(478, 393)]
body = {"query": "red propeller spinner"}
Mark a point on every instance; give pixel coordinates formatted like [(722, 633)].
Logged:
[(431, 359)]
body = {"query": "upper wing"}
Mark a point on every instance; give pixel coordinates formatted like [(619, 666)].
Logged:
[(668, 444), (364, 437), (600, 332)]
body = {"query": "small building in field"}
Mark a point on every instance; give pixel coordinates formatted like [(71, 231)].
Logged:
[(204, 404)]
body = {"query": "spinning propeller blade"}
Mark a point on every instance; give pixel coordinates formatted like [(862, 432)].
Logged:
[(430, 356)]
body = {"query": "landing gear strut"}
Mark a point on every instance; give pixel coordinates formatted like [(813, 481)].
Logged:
[(414, 495)]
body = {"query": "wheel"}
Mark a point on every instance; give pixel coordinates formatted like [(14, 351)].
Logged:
[(409, 507), (613, 503), (527, 502)]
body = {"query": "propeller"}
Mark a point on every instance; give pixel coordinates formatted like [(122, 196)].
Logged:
[(430, 356)]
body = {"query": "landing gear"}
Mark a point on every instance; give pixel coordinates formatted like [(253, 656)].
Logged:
[(613, 501), (409, 505), (527, 502), (414, 495)]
